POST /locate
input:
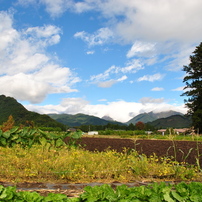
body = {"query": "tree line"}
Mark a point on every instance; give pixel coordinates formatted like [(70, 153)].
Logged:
[(110, 126)]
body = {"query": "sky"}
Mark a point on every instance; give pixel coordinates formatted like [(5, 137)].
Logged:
[(115, 58)]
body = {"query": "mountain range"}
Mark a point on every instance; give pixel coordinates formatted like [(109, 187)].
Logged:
[(174, 121), (9, 106), (158, 120), (151, 116), (81, 119)]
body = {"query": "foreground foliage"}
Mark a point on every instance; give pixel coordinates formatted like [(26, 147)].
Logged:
[(152, 193), (26, 137)]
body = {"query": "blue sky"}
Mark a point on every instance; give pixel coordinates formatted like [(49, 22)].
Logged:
[(114, 58)]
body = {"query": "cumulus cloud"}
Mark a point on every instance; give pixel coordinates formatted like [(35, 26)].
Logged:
[(26, 70), (159, 20), (151, 78), (179, 88), (100, 37), (157, 89), (149, 20), (151, 26)]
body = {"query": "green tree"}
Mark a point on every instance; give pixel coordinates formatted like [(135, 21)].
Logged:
[(131, 126), (193, 88)]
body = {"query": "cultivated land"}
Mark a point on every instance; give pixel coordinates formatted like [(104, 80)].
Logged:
[(181, 151), (191, 150)]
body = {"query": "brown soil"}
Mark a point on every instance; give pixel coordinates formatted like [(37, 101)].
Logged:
[(180, 150)]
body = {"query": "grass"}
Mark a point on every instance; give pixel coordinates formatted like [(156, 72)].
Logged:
[(142, 135), (78, 166)]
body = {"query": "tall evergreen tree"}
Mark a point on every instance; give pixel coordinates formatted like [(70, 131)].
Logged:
[(193, 88)]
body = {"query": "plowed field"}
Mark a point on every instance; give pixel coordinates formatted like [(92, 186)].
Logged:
[(180, 149)]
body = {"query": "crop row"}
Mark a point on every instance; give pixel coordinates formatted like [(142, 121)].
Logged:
[(156, 192), (27, 137)]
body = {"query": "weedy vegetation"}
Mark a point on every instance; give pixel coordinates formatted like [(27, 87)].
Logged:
[(31, 155)]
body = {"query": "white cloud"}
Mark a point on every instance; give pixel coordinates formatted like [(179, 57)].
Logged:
[(54, 8), (147, 20), (131, 67), (150, 25), (146, 100), (28, 72), (100, 37), (151, 78), (181, 57), (102, 100), (47, 34), (143, 49), (122, 78), (24, 87), (109, 83), (90, 52), (160, 20), (106, 84), (179, 88), (119, 110), (157, 89)]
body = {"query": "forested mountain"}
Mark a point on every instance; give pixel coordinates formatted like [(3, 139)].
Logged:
[(175, 121), (80, 119), (151, 116), (9, 106)]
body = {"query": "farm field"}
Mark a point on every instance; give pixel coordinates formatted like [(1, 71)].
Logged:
[(97, 160), (191, 150)]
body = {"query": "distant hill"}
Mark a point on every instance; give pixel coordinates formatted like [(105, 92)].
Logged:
[(151, 116), (9, 106), (175, 121), (107, 118), (80, 119)]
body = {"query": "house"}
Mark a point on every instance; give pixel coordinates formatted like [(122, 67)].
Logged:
[(72, 129), (162, 131), (181, 131), (177, 131), (92, 132)]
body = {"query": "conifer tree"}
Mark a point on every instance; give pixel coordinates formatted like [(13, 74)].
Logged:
[(193, 87)]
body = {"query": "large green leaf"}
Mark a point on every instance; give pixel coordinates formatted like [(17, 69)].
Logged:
[(43, 141), (3, 141), (59, 143), (6, 134), (14, 137), (1, 133), (14, 129), (55, 197)]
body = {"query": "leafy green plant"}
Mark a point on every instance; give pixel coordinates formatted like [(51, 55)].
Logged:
[(74, 138), (9, 194), (27, 137), (156, 192)]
